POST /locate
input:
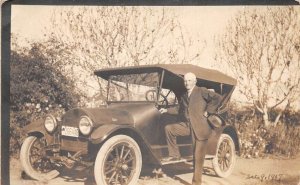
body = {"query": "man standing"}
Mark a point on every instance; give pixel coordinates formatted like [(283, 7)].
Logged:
[(194, 106)]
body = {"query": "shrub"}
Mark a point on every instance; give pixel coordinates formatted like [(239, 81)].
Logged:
[(36, 88), (258, 141), (284, 140)]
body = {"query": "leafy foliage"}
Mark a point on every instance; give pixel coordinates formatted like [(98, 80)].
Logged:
[(259, 141), (36, 89)]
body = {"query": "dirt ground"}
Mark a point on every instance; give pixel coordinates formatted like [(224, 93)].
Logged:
[(269, 171)]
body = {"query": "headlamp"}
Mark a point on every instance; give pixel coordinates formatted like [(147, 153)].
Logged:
[(50, 123), (85, 125)]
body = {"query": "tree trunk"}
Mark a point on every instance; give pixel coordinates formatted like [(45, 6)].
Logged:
[(266, 117), (267, 121), (277, 119)]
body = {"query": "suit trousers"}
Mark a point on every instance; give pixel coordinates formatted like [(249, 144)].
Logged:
[(199, 147)]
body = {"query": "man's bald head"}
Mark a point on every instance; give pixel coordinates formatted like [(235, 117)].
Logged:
[(190, 76), (190, 80)]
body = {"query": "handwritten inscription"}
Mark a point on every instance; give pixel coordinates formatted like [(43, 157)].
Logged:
[(266, 177)]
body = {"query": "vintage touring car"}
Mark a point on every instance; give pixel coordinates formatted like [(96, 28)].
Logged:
[(116, 139)]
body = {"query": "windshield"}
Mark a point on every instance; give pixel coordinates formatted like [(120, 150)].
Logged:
[(133, 87)]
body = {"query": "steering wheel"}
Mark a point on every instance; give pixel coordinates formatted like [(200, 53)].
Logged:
[(151, 96)]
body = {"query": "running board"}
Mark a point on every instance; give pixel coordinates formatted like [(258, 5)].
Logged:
[(166, 146), (187, 160), (173, 162)]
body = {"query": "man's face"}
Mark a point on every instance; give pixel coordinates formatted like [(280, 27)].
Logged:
[(189, 81)]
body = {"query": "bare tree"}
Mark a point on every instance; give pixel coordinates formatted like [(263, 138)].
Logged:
[(90, 38), (262, 48)]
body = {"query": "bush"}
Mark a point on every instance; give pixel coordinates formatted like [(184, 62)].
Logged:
[(36, 88), (258, 141), (284, 140)]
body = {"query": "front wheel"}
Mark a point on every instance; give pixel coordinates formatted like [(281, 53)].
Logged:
[(33, 161), (119, 161), (225, 159)]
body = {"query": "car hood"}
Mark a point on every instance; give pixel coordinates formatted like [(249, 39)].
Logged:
[(132, 114)]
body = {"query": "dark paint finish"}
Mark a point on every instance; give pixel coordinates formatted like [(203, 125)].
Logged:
[(37, 128), (105, 131), (141, 120), (121, 113)]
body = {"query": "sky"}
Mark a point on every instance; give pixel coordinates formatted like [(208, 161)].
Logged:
[(31, 21)]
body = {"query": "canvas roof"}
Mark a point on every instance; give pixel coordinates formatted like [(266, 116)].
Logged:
[(177, 69)]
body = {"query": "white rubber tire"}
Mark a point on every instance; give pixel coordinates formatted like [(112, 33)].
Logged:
[(106, 150), (27, 167), (230, 156)]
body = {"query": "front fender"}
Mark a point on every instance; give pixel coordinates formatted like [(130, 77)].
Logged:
[(37, 129), (103, 132), (36, 126)]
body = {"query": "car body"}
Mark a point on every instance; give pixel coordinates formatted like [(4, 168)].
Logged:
[(116, 139)]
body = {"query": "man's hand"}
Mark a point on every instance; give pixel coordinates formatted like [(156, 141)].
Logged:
[(163, 110)]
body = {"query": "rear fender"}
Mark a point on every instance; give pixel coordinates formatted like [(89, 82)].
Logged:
[(214, 139), (106, 131), (231, 131)]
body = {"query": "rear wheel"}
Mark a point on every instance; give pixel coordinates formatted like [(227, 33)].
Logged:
[(119, 161), (225, 159), (33, 161)]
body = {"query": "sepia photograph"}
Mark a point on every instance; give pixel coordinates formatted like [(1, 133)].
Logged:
[(153, 95)]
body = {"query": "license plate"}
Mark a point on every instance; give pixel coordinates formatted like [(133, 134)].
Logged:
[(69, 131)]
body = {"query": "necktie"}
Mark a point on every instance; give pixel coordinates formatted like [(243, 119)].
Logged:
[(189, 93)]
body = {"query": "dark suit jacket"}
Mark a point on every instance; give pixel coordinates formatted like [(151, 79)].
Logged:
[(200, 100)]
